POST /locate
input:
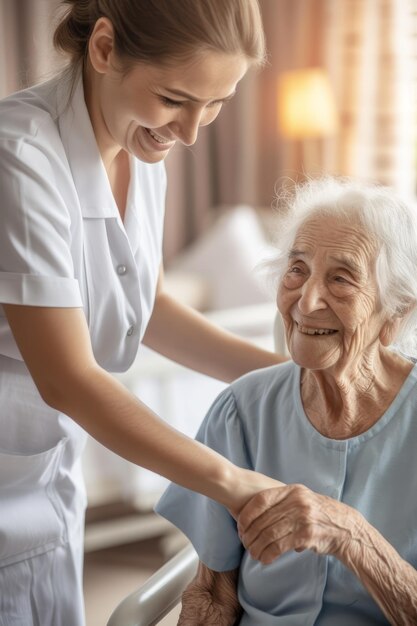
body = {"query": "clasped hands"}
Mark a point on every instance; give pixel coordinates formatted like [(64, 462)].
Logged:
[(293, 517)]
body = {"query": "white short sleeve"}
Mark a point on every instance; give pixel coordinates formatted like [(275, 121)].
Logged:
[(36, 266)]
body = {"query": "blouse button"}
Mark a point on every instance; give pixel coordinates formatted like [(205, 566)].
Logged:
[(130, 331), (121, 270)]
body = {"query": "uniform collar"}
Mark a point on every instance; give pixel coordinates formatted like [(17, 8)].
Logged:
[(87, 168)]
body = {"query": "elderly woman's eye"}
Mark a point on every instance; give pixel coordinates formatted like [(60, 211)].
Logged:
[(293, 277), (341, 279)]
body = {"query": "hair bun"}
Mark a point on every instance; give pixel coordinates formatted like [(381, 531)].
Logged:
[(72, 33)]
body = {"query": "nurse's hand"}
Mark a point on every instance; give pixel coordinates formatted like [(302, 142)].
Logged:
[(294, 517), (246, 485)]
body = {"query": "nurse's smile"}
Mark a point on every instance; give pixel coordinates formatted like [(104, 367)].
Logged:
[(153, 141), (159, 140)]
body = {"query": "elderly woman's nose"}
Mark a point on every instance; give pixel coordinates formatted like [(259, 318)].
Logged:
[(311, 296)]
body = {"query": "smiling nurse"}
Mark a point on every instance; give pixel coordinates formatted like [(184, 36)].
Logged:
[(81, 281)]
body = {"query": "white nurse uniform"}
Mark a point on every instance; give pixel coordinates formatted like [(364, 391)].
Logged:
[(62, 244)]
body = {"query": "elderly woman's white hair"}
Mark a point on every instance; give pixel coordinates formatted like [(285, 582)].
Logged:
[(388, 219)]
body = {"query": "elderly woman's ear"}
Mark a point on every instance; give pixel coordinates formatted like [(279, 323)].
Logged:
[(391, 327)]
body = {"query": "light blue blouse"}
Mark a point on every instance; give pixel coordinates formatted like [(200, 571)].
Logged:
[(259, 423)]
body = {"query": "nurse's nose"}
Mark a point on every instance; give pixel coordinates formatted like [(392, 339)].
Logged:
[(312, 296), (187, 126)]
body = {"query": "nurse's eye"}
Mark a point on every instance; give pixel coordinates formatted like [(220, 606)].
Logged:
[(169, 102)]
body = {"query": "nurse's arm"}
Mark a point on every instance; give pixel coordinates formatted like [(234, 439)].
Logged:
[(187, 337), (211, 599), (55, 345)]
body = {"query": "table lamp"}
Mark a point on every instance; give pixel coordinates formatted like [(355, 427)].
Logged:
[(306, 112)]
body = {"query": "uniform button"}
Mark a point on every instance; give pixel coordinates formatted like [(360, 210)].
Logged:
[(121, 270), (130, 331)]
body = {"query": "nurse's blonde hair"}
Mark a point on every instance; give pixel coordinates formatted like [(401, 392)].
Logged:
[(164, 31)]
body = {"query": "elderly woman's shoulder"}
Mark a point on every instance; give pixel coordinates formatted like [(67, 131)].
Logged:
[(273, 380)]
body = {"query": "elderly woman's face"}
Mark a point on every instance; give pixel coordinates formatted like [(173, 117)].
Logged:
[(328, 295)]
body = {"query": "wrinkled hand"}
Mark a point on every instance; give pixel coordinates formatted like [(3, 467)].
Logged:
[(200, 609), (295, 518), (211, 599)]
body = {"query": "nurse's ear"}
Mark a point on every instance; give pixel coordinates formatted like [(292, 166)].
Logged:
[(101, 46)]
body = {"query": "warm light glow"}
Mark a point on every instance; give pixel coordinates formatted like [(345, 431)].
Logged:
[(306, 104)]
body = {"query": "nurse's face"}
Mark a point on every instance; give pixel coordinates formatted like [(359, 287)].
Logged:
[(149, 109)]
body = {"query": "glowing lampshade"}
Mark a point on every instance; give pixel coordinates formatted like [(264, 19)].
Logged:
[(306, 104)]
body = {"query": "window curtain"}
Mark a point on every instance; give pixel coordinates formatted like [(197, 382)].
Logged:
[(367, 47), (372, 62), (26, 52)]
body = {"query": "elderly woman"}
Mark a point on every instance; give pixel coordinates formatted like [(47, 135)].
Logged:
[(336, 545)]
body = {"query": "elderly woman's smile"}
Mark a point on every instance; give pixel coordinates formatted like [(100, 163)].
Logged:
[(315, 332)]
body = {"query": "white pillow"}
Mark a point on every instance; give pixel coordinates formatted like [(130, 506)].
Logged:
[(225, 258)]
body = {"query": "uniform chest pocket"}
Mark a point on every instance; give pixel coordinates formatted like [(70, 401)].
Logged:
[(30, 517)]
